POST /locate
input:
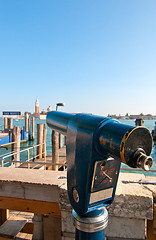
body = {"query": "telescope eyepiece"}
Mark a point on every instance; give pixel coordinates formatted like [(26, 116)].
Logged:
[(145, 162), (142, 160)]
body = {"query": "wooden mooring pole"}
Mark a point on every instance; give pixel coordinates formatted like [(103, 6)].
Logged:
[(10, 123), (139, 122), (16, 144), (40, 140), (44, 143), (55, 150), (29, 129), (5, 124), (60, 140), (26, 121), (65, 140), (33, 128)]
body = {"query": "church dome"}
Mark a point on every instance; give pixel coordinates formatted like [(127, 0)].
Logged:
[(49, 109)]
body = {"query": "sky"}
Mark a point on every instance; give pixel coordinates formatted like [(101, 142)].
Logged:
[(94, 56)]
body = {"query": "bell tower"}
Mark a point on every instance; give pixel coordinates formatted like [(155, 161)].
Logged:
[(37, 106)]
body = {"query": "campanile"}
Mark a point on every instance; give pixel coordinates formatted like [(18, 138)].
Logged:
[(37, 106)]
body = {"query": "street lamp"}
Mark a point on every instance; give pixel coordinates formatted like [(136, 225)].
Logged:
[(59, 105), (56, 143)]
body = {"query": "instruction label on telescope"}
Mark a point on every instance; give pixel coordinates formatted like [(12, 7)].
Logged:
[(105, 174), (100, 195)]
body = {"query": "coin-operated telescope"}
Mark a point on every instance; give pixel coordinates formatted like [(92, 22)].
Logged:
[(96, 146)]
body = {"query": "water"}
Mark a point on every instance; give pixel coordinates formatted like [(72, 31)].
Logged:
[(147, 123), (23, 156)]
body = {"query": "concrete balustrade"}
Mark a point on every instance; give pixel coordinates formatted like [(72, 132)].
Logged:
[(44, 193)]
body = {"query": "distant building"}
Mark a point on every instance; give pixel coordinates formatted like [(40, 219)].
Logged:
[(37, 106), (39, 115), (49, 109), (141, 116)]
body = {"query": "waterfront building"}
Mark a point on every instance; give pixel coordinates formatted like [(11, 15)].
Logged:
[(40, 115), (37, 106), (49, 109)]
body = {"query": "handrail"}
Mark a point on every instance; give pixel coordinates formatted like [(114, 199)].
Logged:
[(31, 160), (26, 149), (6, 154), (3, 159), (42, 163), (6, 144), (136, 170)]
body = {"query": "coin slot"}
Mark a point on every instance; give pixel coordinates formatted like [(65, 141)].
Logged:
[(103, 164)]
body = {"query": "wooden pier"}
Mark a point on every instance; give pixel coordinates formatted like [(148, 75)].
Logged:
[(46, 163)]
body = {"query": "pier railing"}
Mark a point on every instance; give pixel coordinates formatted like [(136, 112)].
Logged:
[(31, 160), (16, 163), (33, 163), (6, 145), (136, 170)]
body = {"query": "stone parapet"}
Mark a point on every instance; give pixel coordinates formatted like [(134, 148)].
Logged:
[(128, 214), (45, 192), (132, 199)]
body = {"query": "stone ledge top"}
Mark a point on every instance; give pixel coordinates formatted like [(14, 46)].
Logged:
[(134, 194), (135, 185), (134, 197), (41, 177)]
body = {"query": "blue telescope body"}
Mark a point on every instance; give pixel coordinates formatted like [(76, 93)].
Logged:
[(95, 148)]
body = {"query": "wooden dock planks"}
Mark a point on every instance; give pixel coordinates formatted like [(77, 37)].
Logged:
[(11, 227), (62, 159), (25, 236)]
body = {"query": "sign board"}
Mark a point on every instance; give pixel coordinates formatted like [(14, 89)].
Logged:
[(14, 113)]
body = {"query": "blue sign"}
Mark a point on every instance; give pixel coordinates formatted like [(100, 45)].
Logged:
[(12, 113)]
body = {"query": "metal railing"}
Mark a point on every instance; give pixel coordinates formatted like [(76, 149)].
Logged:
[(5, 161), (35, 163), (6, 145), (136, 170), (30, 160)]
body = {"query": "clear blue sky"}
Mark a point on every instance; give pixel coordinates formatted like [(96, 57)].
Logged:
[(96, 56)]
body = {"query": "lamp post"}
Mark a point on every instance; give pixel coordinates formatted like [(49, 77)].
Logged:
[(56, 143), (60, 135), (59, 105)]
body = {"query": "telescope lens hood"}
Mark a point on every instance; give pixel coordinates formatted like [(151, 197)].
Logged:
[(136, 148)]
